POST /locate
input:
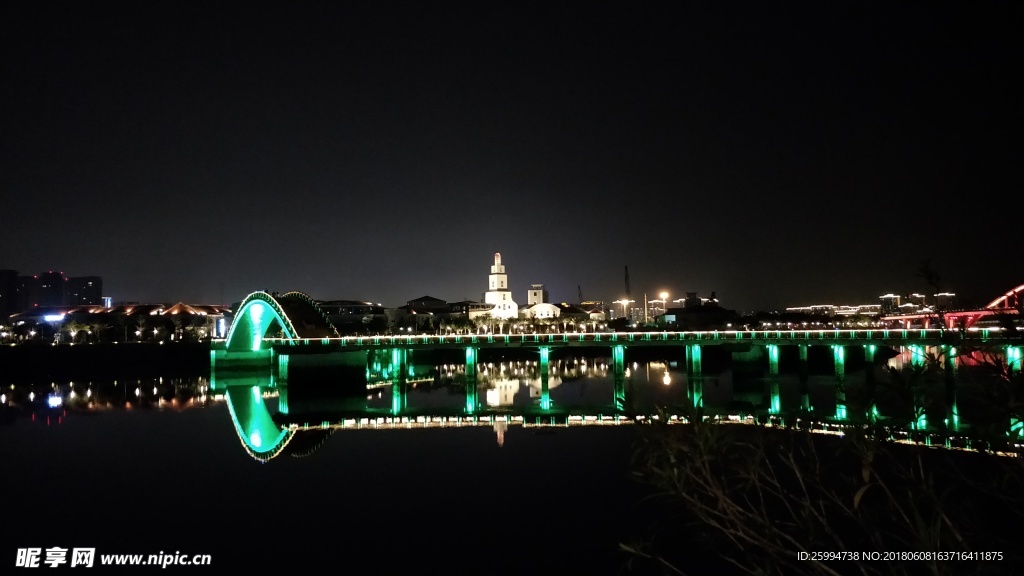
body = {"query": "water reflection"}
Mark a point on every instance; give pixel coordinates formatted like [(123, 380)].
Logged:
[(295, 414)]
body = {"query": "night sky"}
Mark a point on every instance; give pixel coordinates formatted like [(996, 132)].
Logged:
[(777, 153)]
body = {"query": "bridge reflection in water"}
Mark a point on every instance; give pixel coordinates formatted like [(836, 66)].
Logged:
[(274, 340), (295, 411)]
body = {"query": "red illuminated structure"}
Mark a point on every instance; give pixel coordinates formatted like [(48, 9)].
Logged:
[(1007, 304)]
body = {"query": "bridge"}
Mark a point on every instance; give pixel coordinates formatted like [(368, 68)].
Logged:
[(270, 329), (1007, 305)]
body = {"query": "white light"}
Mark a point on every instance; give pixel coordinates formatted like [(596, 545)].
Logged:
[(54, 401), (53, 317)]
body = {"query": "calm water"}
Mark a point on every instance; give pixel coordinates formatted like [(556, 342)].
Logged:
[(167, 465)]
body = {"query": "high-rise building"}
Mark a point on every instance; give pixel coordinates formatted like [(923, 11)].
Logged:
[(49, 289), (24, 292), (84, 290), (890, 303), (498, 292)]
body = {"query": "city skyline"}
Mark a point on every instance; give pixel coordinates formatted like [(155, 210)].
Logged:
[(652, 299), (775, 155)]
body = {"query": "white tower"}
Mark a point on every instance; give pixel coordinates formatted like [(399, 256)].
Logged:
[(498, 292)]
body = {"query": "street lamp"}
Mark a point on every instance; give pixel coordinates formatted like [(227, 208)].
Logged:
[(664, 302)]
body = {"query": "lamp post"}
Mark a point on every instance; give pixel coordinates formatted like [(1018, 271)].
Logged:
[(664, 302)]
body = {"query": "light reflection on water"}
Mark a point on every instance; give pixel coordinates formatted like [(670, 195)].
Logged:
[(185, 447)]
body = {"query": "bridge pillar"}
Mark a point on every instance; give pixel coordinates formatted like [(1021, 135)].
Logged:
[(839, 359), (281, 378), (917, 355), (545, 394), (400, 381), (471, 399), (917, 360), (694, 374), (619, 376), (1013, 366), (869, 381), (1013, 360), (774, 402), (805, 389), (949, 375)]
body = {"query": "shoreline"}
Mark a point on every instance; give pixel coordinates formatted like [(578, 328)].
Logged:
[(102, 360)]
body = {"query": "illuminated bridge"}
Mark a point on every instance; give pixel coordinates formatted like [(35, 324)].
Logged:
[(1006, 305), (269, 330)]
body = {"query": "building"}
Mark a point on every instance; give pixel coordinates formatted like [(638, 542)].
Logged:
[(84, 291), (355, 316), (49, 290), (537, 305), (423, 314), (890, 303), (536, 295), (498, 294), (46, 290)]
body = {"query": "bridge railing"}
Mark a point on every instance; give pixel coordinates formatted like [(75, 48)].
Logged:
[(832, 336)]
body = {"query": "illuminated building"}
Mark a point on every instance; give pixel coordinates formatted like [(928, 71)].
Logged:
[(498, 293), (538, 305)]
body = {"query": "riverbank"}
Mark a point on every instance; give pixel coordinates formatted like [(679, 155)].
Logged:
[(33, 362)]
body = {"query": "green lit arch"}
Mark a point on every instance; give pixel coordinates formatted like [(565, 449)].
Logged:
[(261, 436), (295, 314)]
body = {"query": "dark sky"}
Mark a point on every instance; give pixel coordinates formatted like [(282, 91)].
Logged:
[(777, 153)]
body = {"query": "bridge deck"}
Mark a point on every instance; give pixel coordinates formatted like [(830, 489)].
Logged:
[(883, 337)]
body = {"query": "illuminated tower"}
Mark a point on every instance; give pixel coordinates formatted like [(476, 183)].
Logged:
[(498, 293)]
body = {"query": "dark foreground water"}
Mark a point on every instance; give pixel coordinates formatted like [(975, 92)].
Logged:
[(398, 500), (165, 466), (157, 465)]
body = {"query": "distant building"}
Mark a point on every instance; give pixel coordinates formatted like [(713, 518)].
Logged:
[(498, 293), (49, 289), (84, 291), (355, 316), (46, 290), (696, 313), (536, 295), (537, 305), (944, 299), (423, 313), (890, 303)]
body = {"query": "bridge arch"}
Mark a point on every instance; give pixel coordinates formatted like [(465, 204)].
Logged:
[(289, 315), (261, 436), (1009, 300)]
